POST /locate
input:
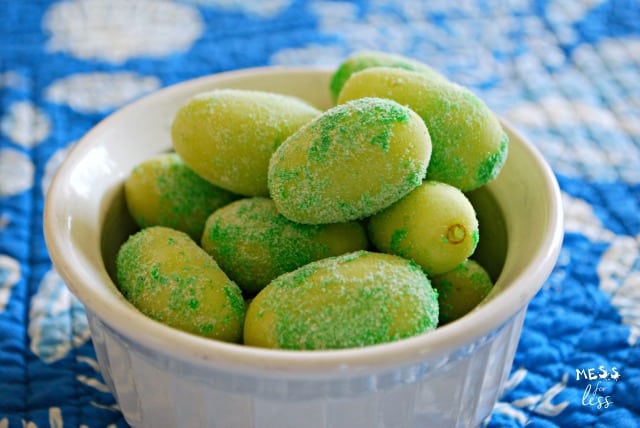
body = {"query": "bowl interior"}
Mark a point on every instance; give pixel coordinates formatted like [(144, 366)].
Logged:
[(86, 221)]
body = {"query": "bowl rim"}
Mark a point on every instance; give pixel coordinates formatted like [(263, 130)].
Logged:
[(126, 321)]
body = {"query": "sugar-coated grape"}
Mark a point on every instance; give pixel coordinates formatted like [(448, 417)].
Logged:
[(254, 244), (352, 300), (461, 289), (164, 191), (169, 278), (366, 59), (350, 162), (228, 135), (469, 144), (435, 225)]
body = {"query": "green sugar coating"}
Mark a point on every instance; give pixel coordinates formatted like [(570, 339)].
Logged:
[(350, 162), (169, 278), (461, 289), (357, 299), (164, 191), (227, 136), (366, 59), (373, 117), (254, 244), (492, 165), (469, 144), (397, 239)]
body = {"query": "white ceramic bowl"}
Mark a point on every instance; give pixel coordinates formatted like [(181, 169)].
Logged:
[(163, 377)]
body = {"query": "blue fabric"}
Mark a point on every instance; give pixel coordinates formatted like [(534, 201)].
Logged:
[(565, 73)]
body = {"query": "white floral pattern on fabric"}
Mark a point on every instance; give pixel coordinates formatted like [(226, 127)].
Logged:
[(11, 79), (57, 321), (619, 267), (580, 218), (118, 30), (25, 124), (99, 92), (10, 274), (544, 404), (17, 172), (619, 273)]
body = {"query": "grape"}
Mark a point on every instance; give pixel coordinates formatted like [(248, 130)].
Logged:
[(350, 162), (169, 278), (366, 59), (469, 144), (253, 243), (228, 135), (435, 225), (461, 289), (356, 299), (164, 191)]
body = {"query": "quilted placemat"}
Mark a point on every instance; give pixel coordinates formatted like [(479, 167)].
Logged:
[(565, 73)]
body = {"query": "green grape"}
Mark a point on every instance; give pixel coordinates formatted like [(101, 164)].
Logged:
[(435, 225), (469, 144), (350, 162), (366, 59), (461, 289), (169, 278), (228, 135), (253, 243), (164, 191), (356, 299)]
